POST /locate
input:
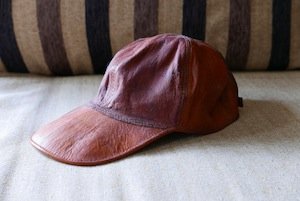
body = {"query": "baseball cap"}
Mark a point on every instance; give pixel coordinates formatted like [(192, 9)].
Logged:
[(152, 87)]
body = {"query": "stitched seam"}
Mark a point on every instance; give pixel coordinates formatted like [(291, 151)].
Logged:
[(125, 118), (184, 85)]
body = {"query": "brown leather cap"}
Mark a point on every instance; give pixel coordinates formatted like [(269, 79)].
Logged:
[(152, 87)]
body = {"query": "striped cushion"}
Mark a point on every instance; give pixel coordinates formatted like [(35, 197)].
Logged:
[(67, 37)]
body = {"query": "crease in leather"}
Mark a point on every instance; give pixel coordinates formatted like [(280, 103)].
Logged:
[(158, 69)]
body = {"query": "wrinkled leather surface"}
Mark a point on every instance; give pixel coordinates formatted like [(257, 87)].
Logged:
[(143, 82), (86, 137), (152, 87)]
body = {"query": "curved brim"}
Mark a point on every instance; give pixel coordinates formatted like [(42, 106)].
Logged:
[(85, 136)]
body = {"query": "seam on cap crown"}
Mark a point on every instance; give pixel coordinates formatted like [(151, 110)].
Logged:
[(182, 91), (184, 82)]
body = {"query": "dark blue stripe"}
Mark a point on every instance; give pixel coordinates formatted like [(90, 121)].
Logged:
[(97, 27), (281, 32), (9, 51), (194, 18)]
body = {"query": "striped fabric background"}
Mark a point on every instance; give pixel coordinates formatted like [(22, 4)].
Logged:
[(66, 37)]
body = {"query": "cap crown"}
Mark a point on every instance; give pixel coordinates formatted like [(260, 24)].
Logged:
[(169, 81)]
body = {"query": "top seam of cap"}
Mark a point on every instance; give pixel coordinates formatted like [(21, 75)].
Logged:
[(185, 77)]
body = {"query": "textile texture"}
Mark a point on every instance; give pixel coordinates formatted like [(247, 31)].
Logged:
[(255, 158), (65, 37)]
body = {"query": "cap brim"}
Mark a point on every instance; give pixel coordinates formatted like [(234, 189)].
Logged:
[(85, 136)]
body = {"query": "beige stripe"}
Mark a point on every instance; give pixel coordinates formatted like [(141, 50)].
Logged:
[(2, 68), (295, 36), (170, 16), (217, 24), (260, 34), (27, 35), (74, 35), (121, 23)]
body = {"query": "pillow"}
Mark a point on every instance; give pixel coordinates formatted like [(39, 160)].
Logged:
[(67, 37)]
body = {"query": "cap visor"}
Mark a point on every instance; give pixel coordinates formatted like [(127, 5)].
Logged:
[(87, 137)]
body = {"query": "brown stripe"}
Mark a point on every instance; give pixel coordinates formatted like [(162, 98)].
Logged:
[(145, 18), (217, 24), (239, 34), (171, 9), (2, 67), (48, 14), (121, 15), (295, 35), (27, 36), (261, 34), (74, 36)]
